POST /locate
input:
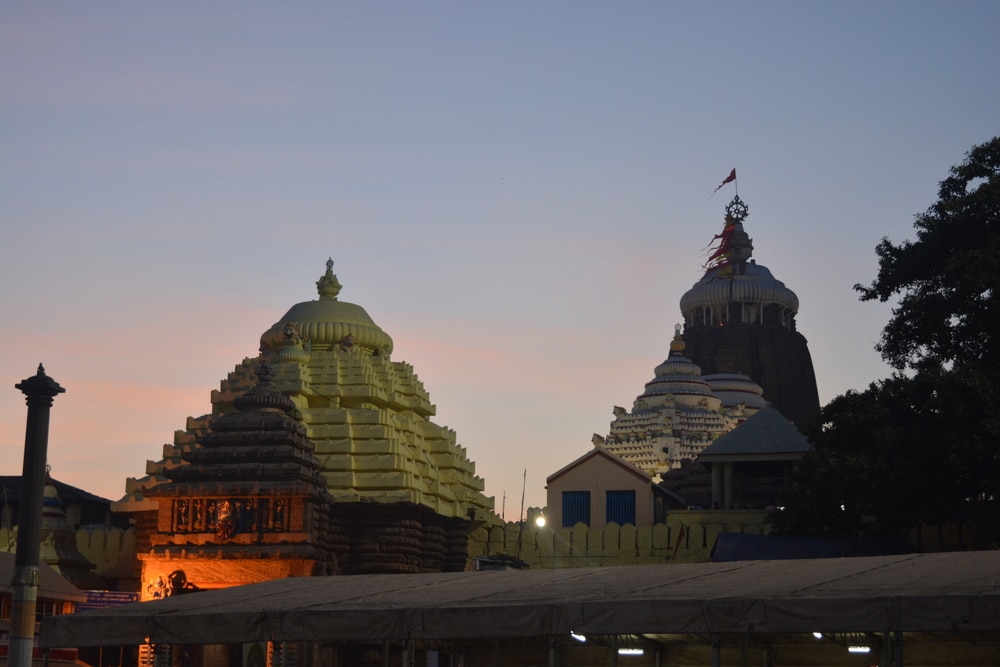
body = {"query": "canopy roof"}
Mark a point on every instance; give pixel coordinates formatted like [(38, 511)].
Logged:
[(765, 432), (51, 584), (953, 592)]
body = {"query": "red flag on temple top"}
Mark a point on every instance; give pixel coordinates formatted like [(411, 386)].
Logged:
[(729, 179)]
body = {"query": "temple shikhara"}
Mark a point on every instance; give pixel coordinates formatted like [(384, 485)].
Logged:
[(319, 457), (740, 319), (738, 352)]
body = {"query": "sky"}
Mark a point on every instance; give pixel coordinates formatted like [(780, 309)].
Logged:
[(518, 192)]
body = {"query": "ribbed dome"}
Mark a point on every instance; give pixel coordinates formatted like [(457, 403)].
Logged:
[(679, 377), (679, 385), (678, 365), (736, 389), (262, 397), (328, 322), (732, 277), (756, 285)]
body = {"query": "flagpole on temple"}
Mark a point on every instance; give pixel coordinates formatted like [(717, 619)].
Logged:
[(731, 178)]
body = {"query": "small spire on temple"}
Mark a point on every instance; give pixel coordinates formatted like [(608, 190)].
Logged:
[(677, 344), (328, 286)]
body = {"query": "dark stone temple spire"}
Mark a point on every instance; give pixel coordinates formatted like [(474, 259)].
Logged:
[(252, 490), (740, 319)]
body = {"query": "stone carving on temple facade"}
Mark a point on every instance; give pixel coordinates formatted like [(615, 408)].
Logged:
[(227, 517)]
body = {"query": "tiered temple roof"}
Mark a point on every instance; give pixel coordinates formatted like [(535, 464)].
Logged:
[(368, 416), (679, 413), (319, 456)]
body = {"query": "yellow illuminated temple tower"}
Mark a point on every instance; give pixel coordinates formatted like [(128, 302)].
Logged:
[(319, 456)]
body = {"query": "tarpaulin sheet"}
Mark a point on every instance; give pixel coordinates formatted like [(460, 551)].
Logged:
[(911, 593)]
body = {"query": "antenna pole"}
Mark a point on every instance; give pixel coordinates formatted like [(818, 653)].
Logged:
[(524, 482), (520, 518)]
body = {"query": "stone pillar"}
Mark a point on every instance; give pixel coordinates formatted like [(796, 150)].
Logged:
[(39, 391), (717, 497), (727, 486)]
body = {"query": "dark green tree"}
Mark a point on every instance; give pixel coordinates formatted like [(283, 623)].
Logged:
[(948, 313), (922, 446)]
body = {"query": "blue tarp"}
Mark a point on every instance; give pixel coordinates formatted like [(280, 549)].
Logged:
[(738, 546)]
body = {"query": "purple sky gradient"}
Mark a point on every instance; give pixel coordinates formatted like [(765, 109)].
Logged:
[(517, 192)]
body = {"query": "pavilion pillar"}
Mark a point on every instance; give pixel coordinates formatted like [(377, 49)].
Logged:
[(717, 499), (727, 486), (39, 391)]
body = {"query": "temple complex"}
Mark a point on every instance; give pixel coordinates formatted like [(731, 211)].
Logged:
[(739, 319), (679, 413), (738, 353), (319, 457)]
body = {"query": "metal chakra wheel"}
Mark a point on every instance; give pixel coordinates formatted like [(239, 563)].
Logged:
[(737, 209)]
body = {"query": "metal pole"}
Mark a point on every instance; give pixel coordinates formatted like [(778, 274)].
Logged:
[(520, 518), (39, 391)]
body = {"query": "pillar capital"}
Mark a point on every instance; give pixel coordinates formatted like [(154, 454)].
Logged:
[(39, 389)]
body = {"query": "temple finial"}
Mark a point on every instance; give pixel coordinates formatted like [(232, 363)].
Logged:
[(737, 209), (328, 286), (677, 344)]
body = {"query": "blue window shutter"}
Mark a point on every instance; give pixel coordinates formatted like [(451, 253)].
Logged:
[(575, 508), (620, 507)]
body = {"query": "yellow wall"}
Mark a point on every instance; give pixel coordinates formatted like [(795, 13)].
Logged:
[(110, 549), (686, 537)]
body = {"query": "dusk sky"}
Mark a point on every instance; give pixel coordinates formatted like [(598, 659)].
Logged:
[(517, 192)]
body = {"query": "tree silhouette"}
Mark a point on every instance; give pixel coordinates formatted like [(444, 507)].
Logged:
[(922, 446)]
